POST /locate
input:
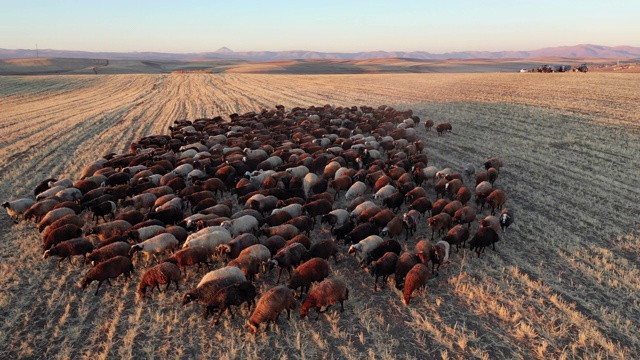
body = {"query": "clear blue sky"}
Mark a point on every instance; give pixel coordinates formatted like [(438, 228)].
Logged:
[(341, 26)]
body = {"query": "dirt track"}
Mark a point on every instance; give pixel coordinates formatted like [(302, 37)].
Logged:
[(564, 283)]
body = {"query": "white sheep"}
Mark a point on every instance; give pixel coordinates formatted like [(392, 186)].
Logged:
[(243, 224), (175, 202), (189, 153), (66, 183), (142, 201), (230, 272), (309, 181), (356, 190), (362, 207), (163, 199), (93, 167), (155, 179), (362, 249), (294, 210), (446, 171), (340, 172), (158, 244), (257, 177), (51, 192), (144, 233), (257, 251), (430, 172), (255, 153), (205, 231), (132, 170), (209, 241), (384, 192), (195, 175), (69, 194), (184, 169), (16, 208), (299, 171), (341, 216), (275, 161)]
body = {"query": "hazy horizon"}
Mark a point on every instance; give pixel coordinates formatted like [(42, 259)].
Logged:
[(330, 26)]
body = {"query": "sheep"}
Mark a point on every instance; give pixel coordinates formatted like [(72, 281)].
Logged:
[(144, 233), (490, 221), (496, 199), (360, 232), (142, 201), (69, 194), (463, 195), (383, 267), (493, 162), (241, 225), (105, 231), (506, 219), (302, 239), (287, 231), (299, 171), (16, 208), (423, 250), (492, 175), (452, 207), (359, 209), (234, 294), (394, 201), (469, 169), (384, 192), (416, 279), (42, 186), (327, 293), (170, 215), (262, 203), (270, 305), (393, 228), (410, 221), (60, 234), (103, 209), (77, 209), (439, 222), (428, 124), (286, 258), (294, 210), (381, 218), (39, 209), (335, 218), (357, 189), (227, 272), (274, 243), (110, 240), (163, 273), (107, 252), (158, 244), (69, 248), (368, 213), (484, 237), (249, 265), (236, 245), (439, 255), (308, 182), (465, 215), (207, 230), (52, 216), (195, 255), (416, 193), (317, 207), (422, 205), (405, 262), (109, 269), (443, 128), (49, 193), (209, 241), (457, 235), (205, 292), (324, 250), (362, 249), (313, 270)]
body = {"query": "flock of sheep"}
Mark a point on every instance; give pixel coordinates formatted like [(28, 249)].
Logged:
[(171, 198)]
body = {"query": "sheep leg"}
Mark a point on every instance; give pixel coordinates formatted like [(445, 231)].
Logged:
[(279, 272), (177, 286), (220, 311), (318, 314), (98, 288), (375, 284), (341, 305)]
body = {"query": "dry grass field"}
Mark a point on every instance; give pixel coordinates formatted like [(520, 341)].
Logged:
[(563, 284)]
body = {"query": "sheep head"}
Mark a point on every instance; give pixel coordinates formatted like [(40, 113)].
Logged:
[(46, 254), (5, 204), (188, 297)]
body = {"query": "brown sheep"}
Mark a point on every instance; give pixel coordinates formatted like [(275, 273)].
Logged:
[(443, 128), (496, 199), (314, 270), (249, 265), (286, 258), (405, 262), (109, 269), (440, 188), (69, 248), (205, 293), (394, 228), (465, 215), (452, 207), (416, 279), (270, 305), (107, 252), (342, 183), (439, 223), (302, 239), (492, 175), (38, 210), (457, 235), (234, 294), (327, 293), (381, 218), (484, 237), (463, 195), (423, 250), (105, 231), (438, 206), (52, 216), (428, 124), (324, 250), (490, 221), (422, 205), (274, 243), (452, 187), (236, 245), (63, 233), (195, 255), (316, 208), (383, 267), (160, 274), (493, 162)]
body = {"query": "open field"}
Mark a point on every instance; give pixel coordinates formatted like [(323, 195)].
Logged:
[(564, 283), (72, 66)]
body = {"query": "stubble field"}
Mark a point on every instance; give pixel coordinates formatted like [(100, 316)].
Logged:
[(564, 282)]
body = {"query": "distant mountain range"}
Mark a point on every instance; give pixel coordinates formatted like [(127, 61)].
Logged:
[(224, 53)]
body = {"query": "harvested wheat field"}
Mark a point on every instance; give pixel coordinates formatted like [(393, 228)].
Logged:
[(563, 283)]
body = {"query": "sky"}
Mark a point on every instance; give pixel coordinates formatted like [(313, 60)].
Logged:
[(323, 25)]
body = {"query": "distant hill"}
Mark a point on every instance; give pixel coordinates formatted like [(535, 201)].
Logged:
[(224, 53)]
